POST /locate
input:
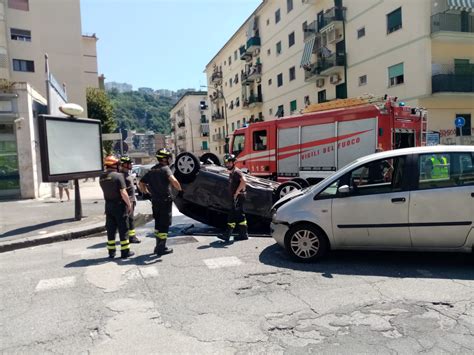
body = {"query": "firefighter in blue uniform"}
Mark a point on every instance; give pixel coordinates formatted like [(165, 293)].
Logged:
[(117, 207), (157, 182)]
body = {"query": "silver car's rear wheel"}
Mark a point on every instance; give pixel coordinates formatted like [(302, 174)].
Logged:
[(305, 243)]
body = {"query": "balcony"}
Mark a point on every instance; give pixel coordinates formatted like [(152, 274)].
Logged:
[(204, 129), (451, 23), (313, 72), (332, 64), (253, 43), (457, 77), (310, 30), (333, 19), (244, 55), (217, 116), (252, 101), (218, 137), (253, 73), (215, 96), (216, 77)]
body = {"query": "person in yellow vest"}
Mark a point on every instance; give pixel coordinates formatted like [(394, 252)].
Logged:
[(439, 167)]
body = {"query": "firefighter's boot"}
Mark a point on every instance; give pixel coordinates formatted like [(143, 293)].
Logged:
[(125, 251), (243, 233), (226, 236), (111, 248), (162, 249), (132, 237)]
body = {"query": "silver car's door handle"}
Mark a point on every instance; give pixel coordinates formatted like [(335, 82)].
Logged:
[(398, 200)]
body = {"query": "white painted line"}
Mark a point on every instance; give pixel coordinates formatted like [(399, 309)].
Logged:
[(143, 272), (43, 232), (226, 261), (52, 284)]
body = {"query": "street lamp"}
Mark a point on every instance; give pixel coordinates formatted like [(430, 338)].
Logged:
[(226, 131)]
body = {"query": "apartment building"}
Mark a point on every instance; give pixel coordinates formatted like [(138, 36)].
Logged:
[(30, 29), (190, 123), (290, 53), (120, 87)]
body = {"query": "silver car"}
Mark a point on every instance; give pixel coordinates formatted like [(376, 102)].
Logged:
[(406, 199)]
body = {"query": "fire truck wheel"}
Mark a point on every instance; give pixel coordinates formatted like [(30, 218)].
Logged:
[(210, 158), (305, 242), (186, 167), (302, 182), (285, 188)]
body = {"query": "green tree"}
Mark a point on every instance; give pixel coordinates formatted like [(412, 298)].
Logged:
[(99, 107)]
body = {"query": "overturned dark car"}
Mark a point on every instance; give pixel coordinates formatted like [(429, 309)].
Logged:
[(206, 192)]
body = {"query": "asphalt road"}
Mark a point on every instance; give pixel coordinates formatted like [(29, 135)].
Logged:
[(247, 297)]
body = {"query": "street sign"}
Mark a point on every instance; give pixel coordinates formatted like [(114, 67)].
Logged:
[(459, 122), (432, 138)]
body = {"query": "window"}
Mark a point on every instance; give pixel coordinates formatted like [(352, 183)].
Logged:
[(230, 82), (395, 75), (239, 144), (445, 170), (20, 35), (23, 65), (289, 5), (269, 51), (268, 21), (277, 16), (204, 145), (292, 73), (235, 55), (394, 20), (230, 60), (377, 177), (279, 79), (362, 80), (278, 48), (238, 123), (361, 32), (292, 106), (307, 101), (260, 140), (281, 111), (466, 130), (225, 62), (291, 39), (233, 126), (269, 82), (329, 192), (321, 96), (18, 5)]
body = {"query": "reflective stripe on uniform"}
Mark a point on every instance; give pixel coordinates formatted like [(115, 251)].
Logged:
[(111, 244), (131, 233), (125, 244), (161, 235), (231, 225), (243, 223)]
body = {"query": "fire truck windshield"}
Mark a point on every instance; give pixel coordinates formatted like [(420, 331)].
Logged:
[(238, 144)]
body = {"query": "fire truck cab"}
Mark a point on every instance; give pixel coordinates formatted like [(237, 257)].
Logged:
[(310, 146)]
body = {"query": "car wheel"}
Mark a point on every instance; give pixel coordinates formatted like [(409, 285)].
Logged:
[(302, 182), (285, 188), (186, 167), (209, 158), (305, 243)]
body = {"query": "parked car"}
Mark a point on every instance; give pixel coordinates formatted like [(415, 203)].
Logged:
[(206, 190), (408, 199)]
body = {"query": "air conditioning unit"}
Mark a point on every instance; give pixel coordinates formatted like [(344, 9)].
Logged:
[(334, 79), (320, 83)]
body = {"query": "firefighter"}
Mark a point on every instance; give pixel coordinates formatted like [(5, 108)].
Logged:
[(117, 207), (158, 182), (439, 167), (236, 215), (125, 168)]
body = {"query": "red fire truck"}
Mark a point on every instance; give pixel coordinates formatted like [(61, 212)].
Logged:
[(310, 146)]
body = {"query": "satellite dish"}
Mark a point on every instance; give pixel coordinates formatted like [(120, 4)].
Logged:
[(71, 109)]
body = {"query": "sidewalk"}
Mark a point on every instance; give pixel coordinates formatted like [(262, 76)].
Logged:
[(25, 223)]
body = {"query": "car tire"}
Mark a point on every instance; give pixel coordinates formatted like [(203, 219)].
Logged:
[(285, 188), (210, 157), (186, 167), (306, 243), (302, 182)]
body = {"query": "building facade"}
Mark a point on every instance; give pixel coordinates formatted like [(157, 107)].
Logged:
[(190, 123), (30, 29), (290, 53)]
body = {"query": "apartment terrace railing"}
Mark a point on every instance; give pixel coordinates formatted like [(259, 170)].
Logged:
[(452, 77), (327, 64), (253, 73), (310, 30), (216, 116), (332, 15), (218, 137), (452, 23), (216, 77)]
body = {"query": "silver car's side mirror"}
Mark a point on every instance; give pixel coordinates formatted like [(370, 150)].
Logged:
[(344, 189)]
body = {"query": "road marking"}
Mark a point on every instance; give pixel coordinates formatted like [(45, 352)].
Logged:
[(143, 272), (52, 284), (226, 261)]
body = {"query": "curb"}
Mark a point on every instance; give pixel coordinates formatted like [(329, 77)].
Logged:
[(93, 230)]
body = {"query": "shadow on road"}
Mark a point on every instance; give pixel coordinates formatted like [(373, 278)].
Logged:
[(139, 260), (374, 263), (34, 227)]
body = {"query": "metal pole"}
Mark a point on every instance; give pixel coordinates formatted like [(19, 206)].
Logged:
[(192, 139), (77, 201)]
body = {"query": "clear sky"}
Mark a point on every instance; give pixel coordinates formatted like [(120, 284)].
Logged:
[(162, 44)]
